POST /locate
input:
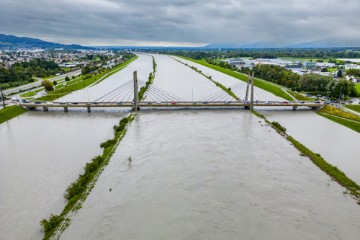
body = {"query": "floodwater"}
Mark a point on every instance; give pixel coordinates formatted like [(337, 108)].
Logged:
[(143, 66), (41, 153), (180, 81), (212, 175), (338, 145), (238, 87)]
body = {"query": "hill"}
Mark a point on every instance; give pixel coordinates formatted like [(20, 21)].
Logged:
[(14, 42)]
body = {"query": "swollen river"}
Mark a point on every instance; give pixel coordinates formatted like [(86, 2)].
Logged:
[(212, 175)]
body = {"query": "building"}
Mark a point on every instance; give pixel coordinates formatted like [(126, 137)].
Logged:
[(310, 65)]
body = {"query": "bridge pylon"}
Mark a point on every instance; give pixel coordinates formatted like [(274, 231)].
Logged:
[(252, 92), (136, 93)]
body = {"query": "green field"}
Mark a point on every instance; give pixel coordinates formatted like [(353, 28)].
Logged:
[(10, 112), (345, 122), (299, 96), (81, 83), (357, 86), (270, 87), (346, 119), (354, 107), (31, 94)]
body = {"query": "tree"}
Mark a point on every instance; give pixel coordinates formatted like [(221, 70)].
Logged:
[(67, 79), (55, 82), (47, 85), (339, 74)]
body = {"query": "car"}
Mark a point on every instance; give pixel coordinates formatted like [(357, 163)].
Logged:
[(49, 103), (37, 102), (75, 103), (317, 101), (285, 102), (173, 103), (301, 102)]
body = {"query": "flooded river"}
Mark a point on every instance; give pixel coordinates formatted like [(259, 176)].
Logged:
[(339, 145), (41, 153), (212, 175), (176, 174)]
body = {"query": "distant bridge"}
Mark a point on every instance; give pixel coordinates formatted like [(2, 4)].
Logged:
[(158, 98)]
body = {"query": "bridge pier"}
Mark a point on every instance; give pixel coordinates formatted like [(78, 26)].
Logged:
[(294, 108), (88, 108), (45, 109), (66, 109)]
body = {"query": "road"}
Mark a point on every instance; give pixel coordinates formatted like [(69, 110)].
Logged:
[(38, 83)]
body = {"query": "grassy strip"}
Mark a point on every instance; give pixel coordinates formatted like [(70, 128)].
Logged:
[(31, 94), (227, 90), (339, 113), (347, 123), (299, 96), (149, 82), (10, 112), (77, 192), (319, 161), (355, 108), (357, 87), (267, 86), (57, 93)]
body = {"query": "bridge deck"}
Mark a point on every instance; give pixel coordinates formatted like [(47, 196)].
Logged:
[(166, 104)]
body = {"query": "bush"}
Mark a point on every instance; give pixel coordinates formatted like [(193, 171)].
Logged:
[(278, 126), (51, 224)]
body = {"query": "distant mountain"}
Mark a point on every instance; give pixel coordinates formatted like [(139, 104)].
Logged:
[(14, 42), (327, 43), (246, 45)]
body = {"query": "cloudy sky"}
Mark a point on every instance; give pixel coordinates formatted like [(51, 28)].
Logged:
[(180, 22)]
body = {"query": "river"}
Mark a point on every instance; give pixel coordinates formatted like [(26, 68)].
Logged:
[(212, 175), (176, 174), (41, 153), (339, 145)]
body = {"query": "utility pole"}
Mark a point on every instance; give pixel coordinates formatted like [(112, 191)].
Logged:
[(2, 97), (136, 96)]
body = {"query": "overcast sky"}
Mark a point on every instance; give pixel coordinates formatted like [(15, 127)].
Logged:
[(180, 22)]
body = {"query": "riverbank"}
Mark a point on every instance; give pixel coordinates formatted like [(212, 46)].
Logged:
[(346, 119), (267, 86), (78, 191), (10, 112), (335, 173), (84, 82)]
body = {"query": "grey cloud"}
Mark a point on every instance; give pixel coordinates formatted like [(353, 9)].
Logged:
[(238, 21)]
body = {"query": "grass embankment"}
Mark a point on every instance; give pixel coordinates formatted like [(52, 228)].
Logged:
[(319, 161), (357, 87), (267, 86), (10, 112), (31, 94), (83, 82), (355, 108), (149, 82), (346, 119), (225, 89), (299, 96), (78, 191)]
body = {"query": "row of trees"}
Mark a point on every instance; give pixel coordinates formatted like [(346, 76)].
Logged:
[(311, 83), (21, 73), (319, 53)]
